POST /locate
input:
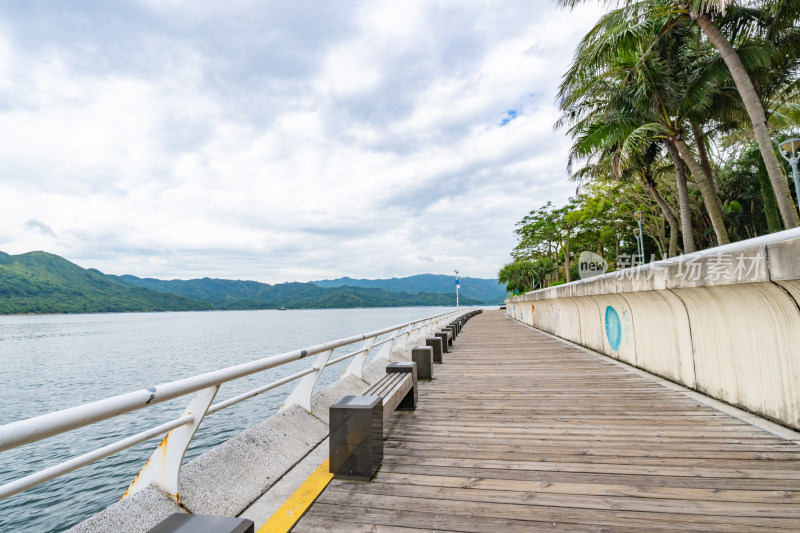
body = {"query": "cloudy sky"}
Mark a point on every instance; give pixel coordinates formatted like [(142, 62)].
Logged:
[(280, 140)]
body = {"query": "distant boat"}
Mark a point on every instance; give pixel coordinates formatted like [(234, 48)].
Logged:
[(281, 308)]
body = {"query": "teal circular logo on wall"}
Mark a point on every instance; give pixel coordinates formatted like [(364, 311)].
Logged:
[(613, 328)]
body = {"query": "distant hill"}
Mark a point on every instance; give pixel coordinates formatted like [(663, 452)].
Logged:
[(38, 282), (233, 294), (487, 291)]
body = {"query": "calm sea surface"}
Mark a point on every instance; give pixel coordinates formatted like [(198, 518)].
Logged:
[(57, 361)]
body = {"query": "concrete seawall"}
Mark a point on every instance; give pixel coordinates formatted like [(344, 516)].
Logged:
[(228, 478), (725, 321)]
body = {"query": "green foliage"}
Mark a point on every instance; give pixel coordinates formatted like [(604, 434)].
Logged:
[(39, 282), (646, 78), (484, 290), (518, 276), (524, 275), (230, 294)]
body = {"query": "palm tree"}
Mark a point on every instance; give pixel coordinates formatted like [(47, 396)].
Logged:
[(683, 197), (701, 11), (669, 14), (619, 93), (519, 275)]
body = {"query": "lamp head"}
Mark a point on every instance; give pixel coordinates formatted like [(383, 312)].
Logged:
[(790, 146), (636, 232), (638, 215)]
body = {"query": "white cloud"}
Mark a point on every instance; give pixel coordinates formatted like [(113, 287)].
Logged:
[(281, 142)]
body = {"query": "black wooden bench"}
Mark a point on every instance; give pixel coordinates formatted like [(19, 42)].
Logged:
[(356, 422)]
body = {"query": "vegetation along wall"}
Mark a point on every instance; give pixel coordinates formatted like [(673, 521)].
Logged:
[(725, 321)]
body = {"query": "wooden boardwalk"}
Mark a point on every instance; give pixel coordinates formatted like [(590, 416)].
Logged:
[(523, 432)]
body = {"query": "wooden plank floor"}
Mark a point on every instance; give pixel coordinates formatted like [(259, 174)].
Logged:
[(522, 432)]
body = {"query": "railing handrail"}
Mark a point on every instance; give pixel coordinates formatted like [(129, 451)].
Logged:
[(21, 432)]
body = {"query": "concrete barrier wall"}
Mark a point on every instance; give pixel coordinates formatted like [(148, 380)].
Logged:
[(725, 321), (225, 480)]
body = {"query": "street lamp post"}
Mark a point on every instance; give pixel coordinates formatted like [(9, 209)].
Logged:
[(458, 286), (792, 148), (638, 216), (636, 232)]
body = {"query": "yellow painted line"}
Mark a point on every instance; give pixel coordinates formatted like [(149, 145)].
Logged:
[(292, 509)]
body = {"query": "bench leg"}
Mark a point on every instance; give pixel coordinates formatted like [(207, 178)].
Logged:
[(356, 437), (409, 403), (423, 356), (436, 344), (443, 336)]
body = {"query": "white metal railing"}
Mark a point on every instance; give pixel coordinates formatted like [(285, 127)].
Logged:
[(163, 468)]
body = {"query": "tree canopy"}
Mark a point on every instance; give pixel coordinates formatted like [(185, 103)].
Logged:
[(675, 108)]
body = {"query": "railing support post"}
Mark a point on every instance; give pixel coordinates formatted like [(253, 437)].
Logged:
[(398, 345), (164, 467), (414, 333), (301, 395), (356, 366)]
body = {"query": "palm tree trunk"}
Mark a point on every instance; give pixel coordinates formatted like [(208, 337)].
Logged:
[(683, 199), (757, 116), (710, 197), (705, 162), (668, 214), (771, 212)]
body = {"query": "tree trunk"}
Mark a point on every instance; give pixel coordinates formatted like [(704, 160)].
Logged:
[(668, 214), (705, 162), (683, 199), (566, 258), (757, 116), (710, 197), (770, 207)]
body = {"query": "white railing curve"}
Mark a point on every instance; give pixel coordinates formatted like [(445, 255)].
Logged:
[(164, 466)]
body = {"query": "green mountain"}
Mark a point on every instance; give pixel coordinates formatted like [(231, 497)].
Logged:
[(234, 294), (38, 282), (487, 291)]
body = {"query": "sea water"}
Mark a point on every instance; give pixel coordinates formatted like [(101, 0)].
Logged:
[(51, 362)]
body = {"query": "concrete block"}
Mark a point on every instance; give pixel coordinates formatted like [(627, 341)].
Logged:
[(436, 344), (423, 357), (784, 260), (356, 441), (228, 478), (137, 513)]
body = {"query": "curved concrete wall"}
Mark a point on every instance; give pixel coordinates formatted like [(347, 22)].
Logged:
[(725, 321)]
